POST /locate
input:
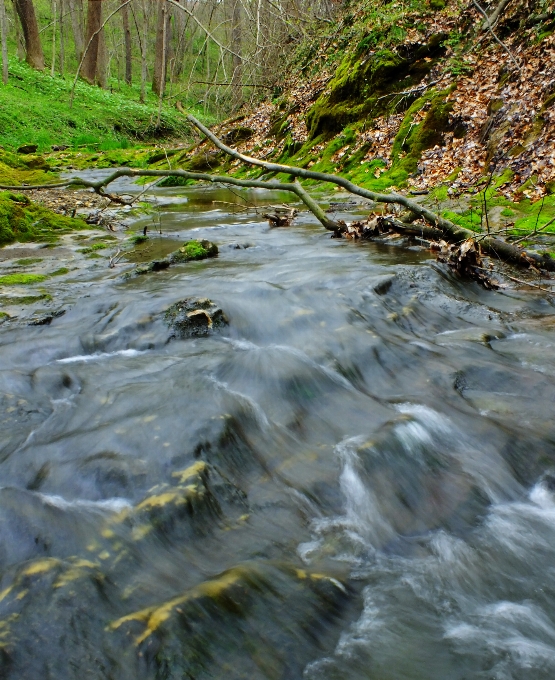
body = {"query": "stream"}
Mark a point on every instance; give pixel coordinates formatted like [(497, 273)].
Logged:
[(353, 479)]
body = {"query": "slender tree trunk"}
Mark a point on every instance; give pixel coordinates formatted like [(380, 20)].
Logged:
[(4, 39), (160, 49), (127, 41), (102, 62), (33, 48), (94, 21), (54, 14), (236, 62), (165, 26), (76, 12), (144, 53), (62, 38)]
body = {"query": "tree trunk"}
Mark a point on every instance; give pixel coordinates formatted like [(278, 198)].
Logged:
[(143, 41), (236, 62), (165, 25), (33, 48), (55, 15), (102, 62), (4, 40), (94, 21), (62, 38), (127, 42), (76, 12), (160, 50)]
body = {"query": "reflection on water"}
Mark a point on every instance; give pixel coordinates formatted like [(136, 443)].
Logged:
[(351, 480)]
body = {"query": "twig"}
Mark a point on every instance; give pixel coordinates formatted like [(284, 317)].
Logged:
[(507, 50), (527, 283), (409, 92)]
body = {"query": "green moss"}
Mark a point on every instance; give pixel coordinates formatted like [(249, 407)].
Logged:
[(93, 248), (22, 220), (194, 250), (507, 212), (412, 140), (28, 260), (360, 88), (21, 279), (60, 272), (25, 299)]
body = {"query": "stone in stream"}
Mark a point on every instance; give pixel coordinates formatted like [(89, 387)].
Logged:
[(192, 250), (194, 317)]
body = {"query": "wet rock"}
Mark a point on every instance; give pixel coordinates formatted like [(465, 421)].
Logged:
[(47, 319), (249, 618), (194, 317), (194, 250), (28, 148)]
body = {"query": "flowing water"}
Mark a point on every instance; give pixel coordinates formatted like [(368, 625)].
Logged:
[(353, 479)]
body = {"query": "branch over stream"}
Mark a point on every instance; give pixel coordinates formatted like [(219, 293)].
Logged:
[(441, 226)]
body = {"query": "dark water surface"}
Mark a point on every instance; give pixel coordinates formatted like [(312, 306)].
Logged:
[(352, 480)]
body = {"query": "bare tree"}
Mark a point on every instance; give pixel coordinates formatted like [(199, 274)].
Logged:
[(33, 48)]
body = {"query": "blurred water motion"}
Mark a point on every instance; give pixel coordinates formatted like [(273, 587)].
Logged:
[(351, 480)]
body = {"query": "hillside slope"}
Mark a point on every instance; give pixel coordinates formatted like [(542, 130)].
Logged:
[(419, 94)]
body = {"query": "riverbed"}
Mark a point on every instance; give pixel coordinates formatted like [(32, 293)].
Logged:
[(354, 478)]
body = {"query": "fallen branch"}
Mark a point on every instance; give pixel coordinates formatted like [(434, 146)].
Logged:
[(438, 225), (450, 231), (272, 185)]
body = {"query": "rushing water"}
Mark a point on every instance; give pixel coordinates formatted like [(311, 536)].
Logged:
[(352, 480)]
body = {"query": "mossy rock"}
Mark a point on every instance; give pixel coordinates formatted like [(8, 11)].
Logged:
[(21, 220), (194, 317), (202, 161), (238, 134), (161, 156), (37, 163), (359, 89), (411, 140), (194, 250)]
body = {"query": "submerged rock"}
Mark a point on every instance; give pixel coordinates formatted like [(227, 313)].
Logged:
[(194, 317)]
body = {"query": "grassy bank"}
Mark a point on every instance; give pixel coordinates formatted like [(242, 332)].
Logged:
[(34, 109), (24, 221)]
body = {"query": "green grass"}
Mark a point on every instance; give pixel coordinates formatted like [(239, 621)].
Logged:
[(34, 109)]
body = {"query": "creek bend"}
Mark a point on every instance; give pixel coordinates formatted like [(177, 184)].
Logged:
[(353, 479)]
